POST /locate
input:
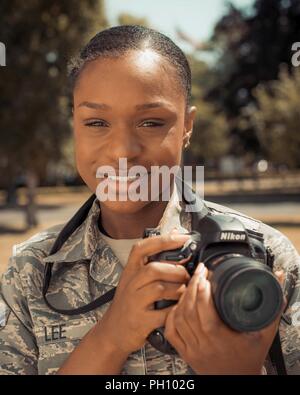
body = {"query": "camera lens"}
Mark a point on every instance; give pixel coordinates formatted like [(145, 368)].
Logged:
[(247, 295), (251, 298)]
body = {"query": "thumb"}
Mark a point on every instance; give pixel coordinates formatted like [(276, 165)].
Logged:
[(280, 275), (175, 230)]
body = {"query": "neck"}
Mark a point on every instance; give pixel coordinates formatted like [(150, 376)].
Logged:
[(132, 226)]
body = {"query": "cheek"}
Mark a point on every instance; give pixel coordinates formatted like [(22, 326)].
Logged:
[(86, 148), (82, 153), (171, 147), (85, 161)]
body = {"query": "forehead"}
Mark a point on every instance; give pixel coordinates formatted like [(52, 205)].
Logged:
[(136, 73)]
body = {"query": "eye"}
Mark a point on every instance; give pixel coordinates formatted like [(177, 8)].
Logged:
[(152, 123), (97, 123)]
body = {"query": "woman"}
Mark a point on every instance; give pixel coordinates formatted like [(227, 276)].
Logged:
[(131, 91)]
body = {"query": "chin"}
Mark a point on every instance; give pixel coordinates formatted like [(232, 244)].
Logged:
[(127, 207)]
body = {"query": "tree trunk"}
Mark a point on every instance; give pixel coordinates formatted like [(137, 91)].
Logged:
[(31, 209), (11, 194)]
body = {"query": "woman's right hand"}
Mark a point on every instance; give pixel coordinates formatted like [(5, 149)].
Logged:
[(131, 316)]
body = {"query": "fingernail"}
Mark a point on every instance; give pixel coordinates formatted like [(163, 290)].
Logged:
[(200, 270), (279, 272), (280, 275)]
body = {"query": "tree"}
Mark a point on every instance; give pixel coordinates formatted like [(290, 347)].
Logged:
[(251, 44), (210, 136), (40, 37), (128, 19), (277, 118)]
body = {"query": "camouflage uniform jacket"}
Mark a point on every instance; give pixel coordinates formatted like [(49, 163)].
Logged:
[(37, 340)]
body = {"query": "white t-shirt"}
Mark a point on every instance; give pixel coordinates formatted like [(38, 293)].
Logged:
[(120, 247)]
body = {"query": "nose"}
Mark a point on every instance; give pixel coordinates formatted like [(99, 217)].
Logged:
[(124, 144)]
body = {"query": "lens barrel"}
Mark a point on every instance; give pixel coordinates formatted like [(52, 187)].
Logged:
[(246, 293)]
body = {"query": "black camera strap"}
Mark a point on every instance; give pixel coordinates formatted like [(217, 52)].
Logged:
[(276, 356), (275, 352), (65, 233)]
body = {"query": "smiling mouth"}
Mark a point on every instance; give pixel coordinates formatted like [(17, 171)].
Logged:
[(123, 178)]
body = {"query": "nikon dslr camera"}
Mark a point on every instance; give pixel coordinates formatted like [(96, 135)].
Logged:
[(246, 294)]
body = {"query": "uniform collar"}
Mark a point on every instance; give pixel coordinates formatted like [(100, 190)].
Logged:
[(82, 242), (87, 244)]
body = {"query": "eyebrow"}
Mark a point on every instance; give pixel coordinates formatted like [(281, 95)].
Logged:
[(145, 106), (94, 105), (139, 107)]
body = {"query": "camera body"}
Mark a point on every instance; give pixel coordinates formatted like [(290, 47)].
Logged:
[(246, 294)]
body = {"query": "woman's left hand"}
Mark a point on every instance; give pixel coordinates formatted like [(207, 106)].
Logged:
[(205, 343)]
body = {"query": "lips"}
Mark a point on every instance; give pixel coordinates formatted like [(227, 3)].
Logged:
[(123, 177)]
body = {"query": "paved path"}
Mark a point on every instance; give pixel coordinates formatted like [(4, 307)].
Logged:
[(11, 218)]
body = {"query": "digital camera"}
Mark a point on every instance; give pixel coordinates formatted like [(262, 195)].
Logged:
[(246, 294)]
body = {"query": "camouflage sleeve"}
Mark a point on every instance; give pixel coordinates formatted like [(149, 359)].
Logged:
[(288, 260), (18, 349)]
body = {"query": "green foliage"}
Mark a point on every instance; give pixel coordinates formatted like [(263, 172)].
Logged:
[(210, 133), (40, 37), (277, 119), (251, 43), (128, 19)]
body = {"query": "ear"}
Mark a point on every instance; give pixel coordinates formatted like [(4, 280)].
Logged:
[(190, 115)]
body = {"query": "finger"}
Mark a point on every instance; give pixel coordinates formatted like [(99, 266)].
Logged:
[(150, 246), (186, 327), (158, 271), (187, 304), (200, 272), (158, 318), (171, 333), (175, 230), (181, 262), (206, 309), (280, 275), (187, 322), (159, 290)]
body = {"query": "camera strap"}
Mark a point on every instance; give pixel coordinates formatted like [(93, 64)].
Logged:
[(65, 233), (275, 352), (276, 356)]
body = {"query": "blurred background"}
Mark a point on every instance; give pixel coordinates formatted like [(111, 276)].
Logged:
[(246, 85)]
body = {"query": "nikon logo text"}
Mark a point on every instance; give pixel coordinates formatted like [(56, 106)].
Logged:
[(232, 236)]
